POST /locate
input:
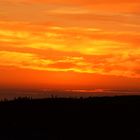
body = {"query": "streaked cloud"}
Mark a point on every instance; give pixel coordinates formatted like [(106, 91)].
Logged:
[(81, 36)]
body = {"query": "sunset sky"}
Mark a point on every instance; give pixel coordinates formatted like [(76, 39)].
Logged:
[(70, 44)]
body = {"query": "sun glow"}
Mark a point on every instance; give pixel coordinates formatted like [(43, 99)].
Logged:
[(81, 37)]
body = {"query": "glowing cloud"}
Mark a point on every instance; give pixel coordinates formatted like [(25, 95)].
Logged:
[(80, 36)]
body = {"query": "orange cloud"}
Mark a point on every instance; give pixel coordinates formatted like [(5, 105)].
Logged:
[(68, 51), (81, 37)]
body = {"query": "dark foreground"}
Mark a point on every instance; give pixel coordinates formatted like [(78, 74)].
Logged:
[(71, 119)]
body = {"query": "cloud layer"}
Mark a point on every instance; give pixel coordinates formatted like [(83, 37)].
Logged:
[(101, 36)]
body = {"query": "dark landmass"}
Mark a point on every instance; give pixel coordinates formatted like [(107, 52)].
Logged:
[(70, 119)]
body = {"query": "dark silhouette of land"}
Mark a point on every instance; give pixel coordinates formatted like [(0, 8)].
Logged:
[(71, 119)]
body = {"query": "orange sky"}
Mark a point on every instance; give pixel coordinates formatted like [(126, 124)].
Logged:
[(76, 43)]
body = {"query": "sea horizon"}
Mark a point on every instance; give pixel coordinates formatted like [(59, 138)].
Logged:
[(13, 93)]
